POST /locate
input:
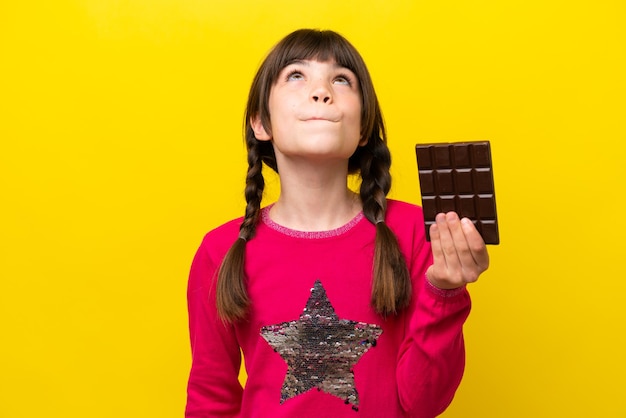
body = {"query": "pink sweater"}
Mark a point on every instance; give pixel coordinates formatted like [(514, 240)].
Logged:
[(313, 346)]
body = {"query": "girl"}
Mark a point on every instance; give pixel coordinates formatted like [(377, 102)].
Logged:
[(339, 305)]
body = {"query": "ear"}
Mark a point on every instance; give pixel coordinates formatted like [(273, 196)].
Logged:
[(363, 141), (259, 130)]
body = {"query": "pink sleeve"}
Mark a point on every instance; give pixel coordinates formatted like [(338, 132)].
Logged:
[(213, 388), (432, 356)]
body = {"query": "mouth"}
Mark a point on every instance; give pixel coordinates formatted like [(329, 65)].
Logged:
[(319, 118)]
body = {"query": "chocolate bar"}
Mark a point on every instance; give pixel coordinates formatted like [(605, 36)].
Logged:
[(458, 176)]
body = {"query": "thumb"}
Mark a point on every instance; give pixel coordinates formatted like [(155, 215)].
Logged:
[(429, 273)]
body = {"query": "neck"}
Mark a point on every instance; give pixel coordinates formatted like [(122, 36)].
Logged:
[(314, 198)]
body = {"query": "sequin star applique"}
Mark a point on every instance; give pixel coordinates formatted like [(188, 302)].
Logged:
[(320, 349)]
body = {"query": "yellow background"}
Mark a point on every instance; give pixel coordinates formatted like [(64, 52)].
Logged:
[(120, 145)]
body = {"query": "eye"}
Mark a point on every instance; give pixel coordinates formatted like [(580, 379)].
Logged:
[(344, 79), (294, 75)]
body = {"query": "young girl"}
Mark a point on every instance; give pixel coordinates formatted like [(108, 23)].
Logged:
[(339, 305)]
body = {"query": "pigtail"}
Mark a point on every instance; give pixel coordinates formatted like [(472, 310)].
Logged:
[(391, 288), (232, 297)]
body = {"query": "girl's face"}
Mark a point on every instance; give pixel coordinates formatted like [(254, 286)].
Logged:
[(315, 112)]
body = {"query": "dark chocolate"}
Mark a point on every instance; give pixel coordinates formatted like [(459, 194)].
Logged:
[(458, 176)]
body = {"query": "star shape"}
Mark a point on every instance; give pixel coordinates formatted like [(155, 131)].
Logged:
[(320, 349)]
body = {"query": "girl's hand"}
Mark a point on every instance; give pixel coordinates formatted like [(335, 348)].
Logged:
[(459, 252)]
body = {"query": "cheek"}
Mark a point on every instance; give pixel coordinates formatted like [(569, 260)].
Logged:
[(356, 112), (357, 106)]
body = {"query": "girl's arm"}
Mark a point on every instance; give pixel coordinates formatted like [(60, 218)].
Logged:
[(213, 388), (432, 356)]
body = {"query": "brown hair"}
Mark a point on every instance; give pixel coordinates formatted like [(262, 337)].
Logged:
[(391, 288)]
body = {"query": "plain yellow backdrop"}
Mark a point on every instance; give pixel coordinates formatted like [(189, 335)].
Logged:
[(120, 146)]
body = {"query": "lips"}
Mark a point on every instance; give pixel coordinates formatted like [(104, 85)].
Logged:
[(320, 118)]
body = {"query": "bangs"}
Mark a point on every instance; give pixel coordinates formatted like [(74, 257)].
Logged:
[(323, 46)]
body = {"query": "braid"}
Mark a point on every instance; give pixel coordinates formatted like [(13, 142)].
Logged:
[(391, 288), (232, 297), (376, 182), (255, 184)]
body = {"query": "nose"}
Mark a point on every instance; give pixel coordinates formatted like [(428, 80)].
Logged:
[(321, 98), (321, 93)]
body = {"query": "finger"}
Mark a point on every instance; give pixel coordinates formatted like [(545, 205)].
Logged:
[(438, 270), (447, 228), (463, 251), (476, 244), (435, 244)]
